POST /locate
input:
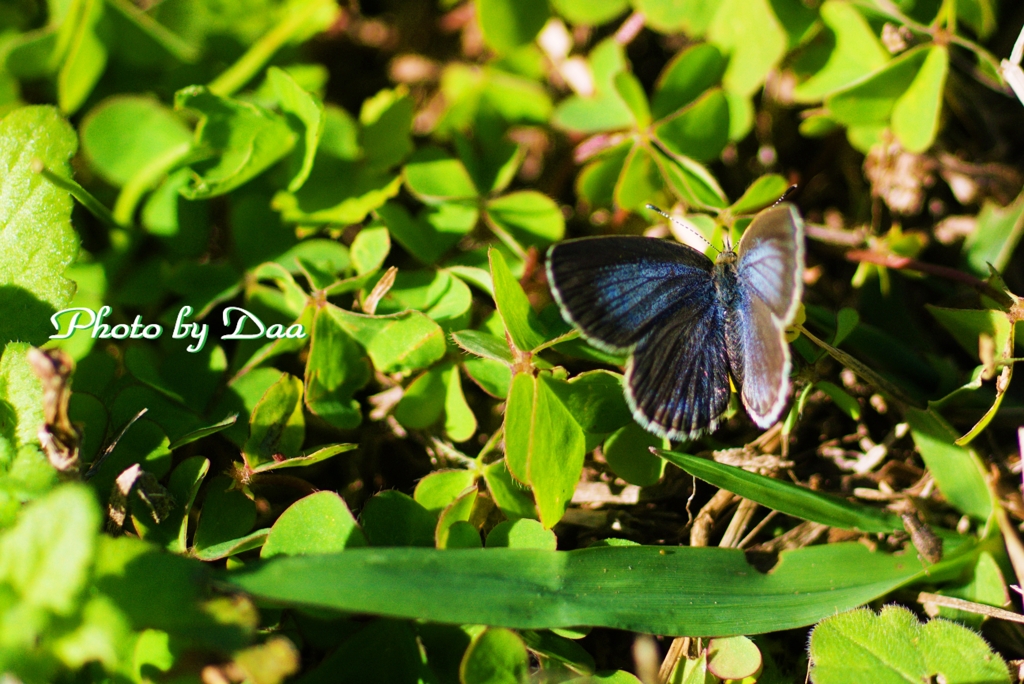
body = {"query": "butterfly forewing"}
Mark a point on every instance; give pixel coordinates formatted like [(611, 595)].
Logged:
[(772, 258), (617, 289), (770, 279), (677, 382)]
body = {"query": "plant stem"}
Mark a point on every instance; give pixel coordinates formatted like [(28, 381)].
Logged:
[(84, 197), (249, 64)]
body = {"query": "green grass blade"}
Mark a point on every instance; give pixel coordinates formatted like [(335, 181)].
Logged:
[(695, 591), (786, 497)]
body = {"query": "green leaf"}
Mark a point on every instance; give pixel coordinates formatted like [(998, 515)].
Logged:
[(306, 114), (531, 218), (124, 135), (512, 498), (86, 57), (37, 242), (383, 651), (604, 110), (438, 294), (996, 236), (432, 175), (741, 115), (226, 515), (276, 427), (335, 369), (45, 558), (386, 120), (433, 232), (595, 400), (841, 398), (640, 181), (521, 534), (749, 32), (144, 443), (590, 12), (163, 591), (915, 115), (690, 181), (957, 470), (459, 421), (845, 51), (687, 76), (244, 138), (483, 345), (522, 324), (673, 16), (700, 131), (986, 585), (370, 248), (183, 486), (733, 657), (312, 457), (461, 535), (22, 395), (628, 453), (764, 191), (560, 650), (204, 431), (870, 100), (423, 401), (632, 93), (493, 377), (395, 343), (495, 655), (232, 547), (704, 591), (318, 523), (967, 325), (394, 519), (509, 24), (544, 445), (787, 497), (596, 181), (458, 511), (440, 488), (343, 186), (894, 647), (846, 322)]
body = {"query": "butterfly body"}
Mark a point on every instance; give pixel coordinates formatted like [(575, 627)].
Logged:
[(689, 323)]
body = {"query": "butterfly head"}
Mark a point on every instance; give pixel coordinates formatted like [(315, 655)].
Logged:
[(726, 257)]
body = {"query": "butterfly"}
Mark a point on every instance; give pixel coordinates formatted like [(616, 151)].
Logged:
[(689, 323)]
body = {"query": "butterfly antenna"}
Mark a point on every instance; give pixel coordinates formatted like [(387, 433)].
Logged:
[(789, 191), (682, 224)]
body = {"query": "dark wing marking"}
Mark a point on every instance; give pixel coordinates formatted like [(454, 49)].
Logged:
[(771, 260), (677, 381), (616, 290)]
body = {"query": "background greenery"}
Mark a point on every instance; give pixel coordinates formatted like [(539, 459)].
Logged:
[(441, 482)]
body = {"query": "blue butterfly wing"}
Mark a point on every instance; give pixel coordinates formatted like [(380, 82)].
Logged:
[(677, 381), (770, 285), (658, 299), (616, 290)]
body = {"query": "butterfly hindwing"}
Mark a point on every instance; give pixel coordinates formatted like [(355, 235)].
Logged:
[(616, 290), (759, 357), (677, 381)]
